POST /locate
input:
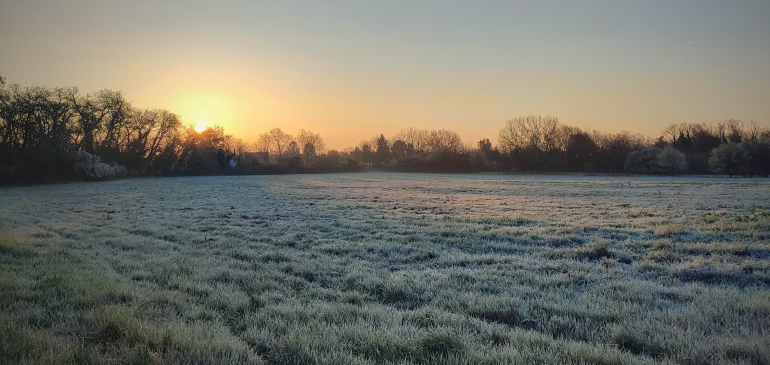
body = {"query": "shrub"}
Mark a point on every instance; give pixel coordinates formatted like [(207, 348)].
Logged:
[(730, 159), (672, 160), (644, 161), (92, 166)]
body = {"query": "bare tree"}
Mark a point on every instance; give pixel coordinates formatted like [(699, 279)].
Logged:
[(238, 147), (564, 136), (7, 114), (152, 132), (92, 110), (263, 144), (115, 128), (445, 139), (532, 131), (735, 133), (418, 138), (756, 132), (311, 144), (671, 132), (61, 117), (275, 142)]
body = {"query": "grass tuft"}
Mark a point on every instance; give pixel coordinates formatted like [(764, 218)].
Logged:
[(595, 251), (442, 342), (10, 246), (635, 343)]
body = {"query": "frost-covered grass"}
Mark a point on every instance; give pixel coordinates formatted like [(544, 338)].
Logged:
[(387, 268)]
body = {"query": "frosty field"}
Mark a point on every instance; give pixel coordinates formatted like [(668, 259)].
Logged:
[(380, 268)]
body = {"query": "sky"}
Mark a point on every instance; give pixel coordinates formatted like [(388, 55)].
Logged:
[(352, 69)]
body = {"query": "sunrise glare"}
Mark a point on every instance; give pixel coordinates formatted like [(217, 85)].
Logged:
[(200, 127)]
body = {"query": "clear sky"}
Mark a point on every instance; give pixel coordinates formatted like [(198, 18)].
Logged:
[(352, 69)]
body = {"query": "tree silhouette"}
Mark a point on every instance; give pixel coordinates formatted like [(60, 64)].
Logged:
[(730, 159), (399, 150), (529, 132), (644, 161), (383, 151)]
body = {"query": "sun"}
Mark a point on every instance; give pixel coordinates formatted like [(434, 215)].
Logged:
[(204, 110)]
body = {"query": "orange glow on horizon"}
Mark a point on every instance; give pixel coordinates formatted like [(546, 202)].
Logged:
[(204, 111)]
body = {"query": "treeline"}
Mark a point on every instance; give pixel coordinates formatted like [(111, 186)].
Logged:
[(283, 152), (542, 144), (418, 150), (55, 134)]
